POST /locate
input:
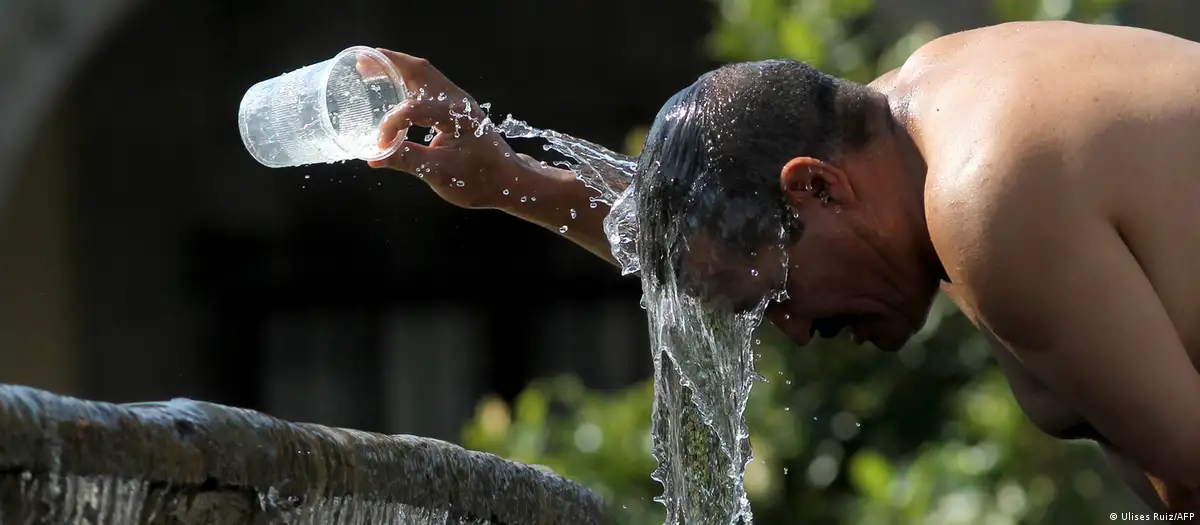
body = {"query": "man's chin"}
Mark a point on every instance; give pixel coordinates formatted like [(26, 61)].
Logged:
[(890, 343)]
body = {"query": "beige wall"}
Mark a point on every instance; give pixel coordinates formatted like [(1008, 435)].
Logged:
[(36, 329)]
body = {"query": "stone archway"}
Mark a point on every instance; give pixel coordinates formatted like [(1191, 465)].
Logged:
[(42, 45)]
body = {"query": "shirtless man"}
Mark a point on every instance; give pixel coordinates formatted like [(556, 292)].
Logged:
[(1034, 171)]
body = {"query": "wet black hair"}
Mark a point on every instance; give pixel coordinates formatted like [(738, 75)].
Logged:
[(712, 159)]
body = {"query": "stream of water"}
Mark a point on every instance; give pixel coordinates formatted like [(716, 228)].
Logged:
[(703, 360)]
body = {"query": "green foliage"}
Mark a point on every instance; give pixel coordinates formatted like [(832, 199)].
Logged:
[(841, 434)]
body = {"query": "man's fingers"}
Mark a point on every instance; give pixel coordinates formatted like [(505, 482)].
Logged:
[(369, 67), (410, 158), (418, 73), (413, 112)]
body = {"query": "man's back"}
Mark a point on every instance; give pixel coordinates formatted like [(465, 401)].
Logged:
[(1101, 119)]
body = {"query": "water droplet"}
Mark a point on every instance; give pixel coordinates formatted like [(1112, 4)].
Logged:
[(523, 199), (505, 192), (758, 341), (787, 316), (785, 471), (533, 199), (592, 205), (486, 106), (754, 272), (405, 148), (495, 143), (507, 154), (562, 229), (441, 97), (789, 409), (308, 176), (573, 214), (788, 382), (460, 184)]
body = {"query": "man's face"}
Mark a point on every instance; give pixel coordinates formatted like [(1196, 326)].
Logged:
[(833, 284)]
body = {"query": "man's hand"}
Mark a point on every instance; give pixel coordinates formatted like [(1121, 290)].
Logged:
[(465, 170), (483, 172)]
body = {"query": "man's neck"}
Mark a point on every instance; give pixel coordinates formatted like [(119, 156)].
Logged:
[(913, 171)]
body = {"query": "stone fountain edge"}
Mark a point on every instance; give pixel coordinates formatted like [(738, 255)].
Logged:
[(186, 443)]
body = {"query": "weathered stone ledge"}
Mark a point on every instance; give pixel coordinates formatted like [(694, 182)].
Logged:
[(202, 454)]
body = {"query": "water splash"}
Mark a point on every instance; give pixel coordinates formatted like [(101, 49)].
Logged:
[(703, 360), (605, 171)]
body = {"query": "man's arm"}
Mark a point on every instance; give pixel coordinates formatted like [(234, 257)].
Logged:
[(483, 172), (555, 199), (1055, 282)]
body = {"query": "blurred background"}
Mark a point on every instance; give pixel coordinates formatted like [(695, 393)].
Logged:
[(144, 255)]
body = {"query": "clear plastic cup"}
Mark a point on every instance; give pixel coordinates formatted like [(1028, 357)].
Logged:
[(326, 112)]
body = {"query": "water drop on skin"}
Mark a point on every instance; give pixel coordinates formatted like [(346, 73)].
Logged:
[(573, 214), (533, 199), (592, 205), (495, 143), (523, 199), (789, 409), (505, 192), (460, 184), (754, 272), (563, 229), (507, 154), (441, 97)]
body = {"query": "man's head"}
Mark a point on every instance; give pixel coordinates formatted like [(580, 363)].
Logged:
[(760, 163)]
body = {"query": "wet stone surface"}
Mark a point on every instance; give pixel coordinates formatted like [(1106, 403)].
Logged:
[(63, 460)]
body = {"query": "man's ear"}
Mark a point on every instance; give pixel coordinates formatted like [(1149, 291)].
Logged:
[(806, 178)]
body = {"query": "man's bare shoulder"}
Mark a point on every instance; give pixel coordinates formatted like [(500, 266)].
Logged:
[(996, 214)]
